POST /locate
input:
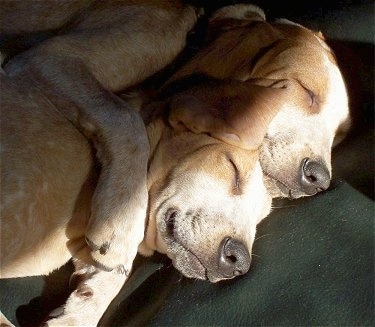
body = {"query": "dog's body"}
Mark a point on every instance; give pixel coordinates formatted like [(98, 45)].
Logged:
[(183, 165), (67, 82), (202, 161), (77, 78)]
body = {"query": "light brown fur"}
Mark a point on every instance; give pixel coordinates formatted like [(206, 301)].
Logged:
[(75, 74), (61, 122)]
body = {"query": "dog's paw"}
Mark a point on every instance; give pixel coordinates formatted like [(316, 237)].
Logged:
[(78, 319), (114, 240), (88, 302), (65, 316)]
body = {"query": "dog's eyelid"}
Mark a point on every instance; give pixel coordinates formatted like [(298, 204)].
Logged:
[(311, 94), (237, 178)]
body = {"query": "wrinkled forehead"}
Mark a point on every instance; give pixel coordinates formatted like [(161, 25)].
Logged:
[(296, 48), (220, 175), (235, 49), (216, 159)]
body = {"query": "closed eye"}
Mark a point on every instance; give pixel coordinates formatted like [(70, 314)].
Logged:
[(237, 178), (312, 97)]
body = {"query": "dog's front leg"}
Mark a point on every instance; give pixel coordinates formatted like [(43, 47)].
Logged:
[(77, 72), (88, 302), (119, 139), (118, 212)]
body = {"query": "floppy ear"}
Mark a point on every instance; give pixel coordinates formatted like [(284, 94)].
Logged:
[(234, 112)]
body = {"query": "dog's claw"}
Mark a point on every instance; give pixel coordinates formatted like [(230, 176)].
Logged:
[(104, 248), (91, 244), (84, 292), (110, 244)]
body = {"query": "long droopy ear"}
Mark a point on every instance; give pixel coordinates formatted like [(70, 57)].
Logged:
[(234, 112)]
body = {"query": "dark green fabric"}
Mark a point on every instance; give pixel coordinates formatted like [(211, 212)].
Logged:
[(28, 301)]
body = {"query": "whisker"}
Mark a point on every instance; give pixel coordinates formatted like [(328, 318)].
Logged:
[(282, 207), (262, 236), (180, 278)]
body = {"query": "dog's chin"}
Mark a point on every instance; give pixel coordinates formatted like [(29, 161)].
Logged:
[(182, 257), (186, 261)]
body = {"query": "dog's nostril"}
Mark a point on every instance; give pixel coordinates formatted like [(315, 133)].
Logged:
[(170, 218), (315, 176), (231, 258), (234, 258)]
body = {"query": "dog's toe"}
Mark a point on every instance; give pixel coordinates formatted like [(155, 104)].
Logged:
[(91, 244), (115, 243), (103, 248), (56, 312), (84, 292), (116, 257)]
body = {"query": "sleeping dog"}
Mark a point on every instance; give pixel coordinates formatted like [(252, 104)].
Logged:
[(206, 194), (202, 156), (296, 152), (77, 73)]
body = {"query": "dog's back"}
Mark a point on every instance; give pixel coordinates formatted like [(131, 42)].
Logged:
[(43, 178)]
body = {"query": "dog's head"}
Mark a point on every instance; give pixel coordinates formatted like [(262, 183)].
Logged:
[(296, 152), (206, 184)]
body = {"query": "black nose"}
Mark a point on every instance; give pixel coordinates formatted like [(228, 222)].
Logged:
[(314, 176), (234, 259)]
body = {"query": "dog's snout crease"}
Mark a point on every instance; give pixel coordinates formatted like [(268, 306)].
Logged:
[(234, 258), (315, 176)]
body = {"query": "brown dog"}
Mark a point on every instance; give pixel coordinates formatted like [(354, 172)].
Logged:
[(284, 57), (77, 77), (65, 87)]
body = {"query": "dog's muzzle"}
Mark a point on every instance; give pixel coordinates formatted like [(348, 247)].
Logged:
[(230, 259)]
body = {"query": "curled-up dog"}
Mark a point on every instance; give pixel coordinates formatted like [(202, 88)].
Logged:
[(205, 185), (67, 139), (76, 73), (287, 58)]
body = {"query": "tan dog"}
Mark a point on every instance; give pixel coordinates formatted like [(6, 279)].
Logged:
[(284, 57), (76, 73), (194, 182), (67, 83)]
